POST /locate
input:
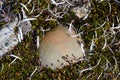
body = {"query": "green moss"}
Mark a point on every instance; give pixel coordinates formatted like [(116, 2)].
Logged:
[(27, 51)]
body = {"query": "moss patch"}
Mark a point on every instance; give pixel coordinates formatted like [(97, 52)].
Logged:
[(108, 67)]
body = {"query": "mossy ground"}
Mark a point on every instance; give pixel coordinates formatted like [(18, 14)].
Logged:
[(108, 68)]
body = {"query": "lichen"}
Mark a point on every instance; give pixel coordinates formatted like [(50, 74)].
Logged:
[(107, 68)]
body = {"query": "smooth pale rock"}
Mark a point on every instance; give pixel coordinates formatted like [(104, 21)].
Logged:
[(58, 48)]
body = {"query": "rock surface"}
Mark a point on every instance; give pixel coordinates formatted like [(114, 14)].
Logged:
[(58, 49), (8, 37), (82, 9)]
